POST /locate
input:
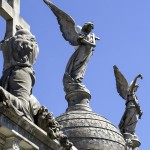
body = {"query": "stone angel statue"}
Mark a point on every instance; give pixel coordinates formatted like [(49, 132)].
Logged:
[(84, 43), (133, 111)]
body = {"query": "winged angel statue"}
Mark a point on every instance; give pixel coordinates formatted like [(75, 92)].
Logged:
[(133, 111), (84, 43)]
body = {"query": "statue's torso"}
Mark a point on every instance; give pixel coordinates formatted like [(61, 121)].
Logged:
[(132, 99), (78, 61)]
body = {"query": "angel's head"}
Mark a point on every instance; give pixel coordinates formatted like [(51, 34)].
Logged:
[(88, 27)]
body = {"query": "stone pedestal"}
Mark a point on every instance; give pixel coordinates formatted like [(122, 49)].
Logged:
[(90, 131), (78, 100), (18, 133), (132, 141)]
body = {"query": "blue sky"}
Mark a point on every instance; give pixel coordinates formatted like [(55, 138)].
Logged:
[(124, 28)]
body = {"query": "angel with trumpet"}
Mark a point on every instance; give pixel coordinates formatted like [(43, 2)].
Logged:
[(133, 111)]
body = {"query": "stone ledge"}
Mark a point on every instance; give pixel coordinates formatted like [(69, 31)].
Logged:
[(30, 136)]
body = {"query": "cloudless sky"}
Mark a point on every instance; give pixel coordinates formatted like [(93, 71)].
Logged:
[(124, 28)]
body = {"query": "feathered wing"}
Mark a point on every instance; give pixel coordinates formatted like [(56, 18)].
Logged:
[(121, 83), (67, 24)]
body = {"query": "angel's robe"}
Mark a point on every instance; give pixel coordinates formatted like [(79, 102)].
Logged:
[(76, 67), (131, 115)]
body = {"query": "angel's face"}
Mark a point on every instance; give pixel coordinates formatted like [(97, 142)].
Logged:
[(88, 27)]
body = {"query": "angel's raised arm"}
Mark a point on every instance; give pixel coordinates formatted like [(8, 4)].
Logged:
[(134, 82)]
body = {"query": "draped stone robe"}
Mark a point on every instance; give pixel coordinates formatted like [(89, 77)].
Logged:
[(19, 53)]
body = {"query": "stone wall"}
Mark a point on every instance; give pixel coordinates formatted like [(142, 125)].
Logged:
[(18, 133)]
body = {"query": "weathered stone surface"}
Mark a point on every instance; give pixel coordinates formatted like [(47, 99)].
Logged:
[(133, 110), (19, 54), (19, 132), (88, 130), (84, 43), (10, 11)]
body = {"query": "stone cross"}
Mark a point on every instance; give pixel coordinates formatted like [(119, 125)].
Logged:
[(10, 11)]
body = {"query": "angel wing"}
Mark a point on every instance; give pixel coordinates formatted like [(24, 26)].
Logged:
[(121, 83), (67, 24)]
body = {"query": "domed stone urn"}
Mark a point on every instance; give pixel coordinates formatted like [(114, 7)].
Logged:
[(88, 130)]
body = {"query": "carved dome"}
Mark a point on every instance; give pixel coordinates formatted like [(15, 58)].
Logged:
[(90, 131)]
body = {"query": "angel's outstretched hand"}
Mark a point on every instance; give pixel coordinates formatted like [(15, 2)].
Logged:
[(140, 76)]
